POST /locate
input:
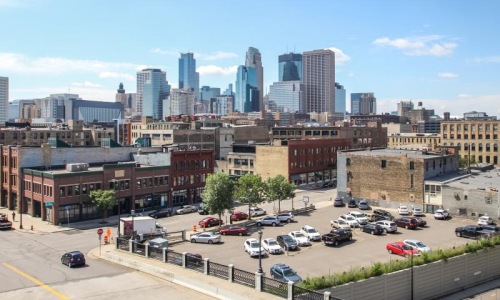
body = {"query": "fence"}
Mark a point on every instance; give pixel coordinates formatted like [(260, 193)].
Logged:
[(244, 277), (123, 244), (195, 263), (305, 294), (174, 258), (139, 248), (175, 237), (275, 287), (155, 253), (218, 270)]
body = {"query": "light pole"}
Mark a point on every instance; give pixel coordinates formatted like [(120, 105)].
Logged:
[(260, 252), (132, 234), (305, 199), (117, 183)]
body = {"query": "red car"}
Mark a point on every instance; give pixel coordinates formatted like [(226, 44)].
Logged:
[(401, 248), (210, 221), (239, 215), (234, 230)]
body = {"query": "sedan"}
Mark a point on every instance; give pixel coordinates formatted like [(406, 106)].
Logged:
[(299, 238), (161, 213), (205, 237), (186, 209), (363, 205), (271, 220), (254, 248), (73, 259), (340, 224), (210, 221), (416, 244), (418, 212), (373, 229), (401, 248), (271, 246), (238, 216), (234, 230), (441, 214)]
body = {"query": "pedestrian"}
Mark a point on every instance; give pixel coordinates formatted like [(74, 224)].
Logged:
[(14, 216)]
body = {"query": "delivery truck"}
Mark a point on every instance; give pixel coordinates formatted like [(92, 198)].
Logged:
[(143, 226)]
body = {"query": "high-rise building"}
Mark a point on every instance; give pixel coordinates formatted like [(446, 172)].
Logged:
[(189, 79), (247, 91), (319, 81), (286, 96), (363, 104), (229, 91), (404, 107), (121, 96), (254, 60), (206, 93), (221, 105), (181, 102), (340, 99), (4, 99), (152, 91), (290, 67)]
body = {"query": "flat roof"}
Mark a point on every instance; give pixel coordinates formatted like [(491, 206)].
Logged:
[(477, 180), (395, 153)]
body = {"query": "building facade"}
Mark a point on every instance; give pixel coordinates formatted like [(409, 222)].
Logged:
[(247, 91), (290, 67), (363, 104), (254, 60), (189, 79), (152, 91), (4, 99), (414, 141), (319, 81), (340, 99), (287, 96), (181, 102)]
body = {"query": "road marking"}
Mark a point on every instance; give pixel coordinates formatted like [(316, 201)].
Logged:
[(41, 284)]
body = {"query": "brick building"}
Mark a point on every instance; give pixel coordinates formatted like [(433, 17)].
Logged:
[(414, 141)]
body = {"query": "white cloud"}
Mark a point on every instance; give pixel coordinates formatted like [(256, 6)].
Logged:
[(427, 45), (340, 56), (86, 93), (212, 70), (86, 84), (488, 59), (218, 55), (448, 75), (164, 52), (125, 76)]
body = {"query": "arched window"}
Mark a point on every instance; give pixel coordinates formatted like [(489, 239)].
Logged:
[(480, 146), (488, 147), (466, 146), (473, 146), (459, 146)]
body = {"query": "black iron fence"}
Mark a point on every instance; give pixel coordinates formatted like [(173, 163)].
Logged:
[(139, 248), (244, 277), (218, 270), (174, 258), (123, 244), (275, 287), (305, 294), (155, 253), (195, 263)]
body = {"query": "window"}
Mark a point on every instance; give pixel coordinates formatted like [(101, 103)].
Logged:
[(84, 189), (383, 164), (77, 190), (348, 162), (62, 191), (488, 200), (412, 165), (412, 181)]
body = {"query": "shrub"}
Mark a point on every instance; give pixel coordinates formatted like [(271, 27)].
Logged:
[(377, 269)]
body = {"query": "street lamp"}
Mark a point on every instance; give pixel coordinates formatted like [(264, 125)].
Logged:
[(117, 183), (305, 199), (260, 252), (132, 235)]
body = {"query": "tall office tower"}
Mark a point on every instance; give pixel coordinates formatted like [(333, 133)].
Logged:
[(53, 107), (189, 79), (221, 105), (254, 60), (152, 90), (404, 107), (121, 96), (206, 93), (319, 81), (290, 67), (363, 104), (340, 99), (286, 96), (4, 99), (181, 102), (247, 91)]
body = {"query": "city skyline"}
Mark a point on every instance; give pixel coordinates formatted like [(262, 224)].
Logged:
[(407, 51)]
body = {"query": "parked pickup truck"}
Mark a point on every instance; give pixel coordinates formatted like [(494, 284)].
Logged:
[(4, 222), (336, 236), (473, 231)]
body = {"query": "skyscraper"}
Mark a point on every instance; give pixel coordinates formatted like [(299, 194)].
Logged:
[(4, 99), (340, 99), (152, 90), (363, 104), (286, 96), (319, 81), (254, 60), (247, 92), (290, 67), (189, 79), (182, 102)]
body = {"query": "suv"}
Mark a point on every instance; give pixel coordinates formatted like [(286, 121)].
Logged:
[(388, 226), (271, 220), (403, 210), (287, 242), (352, 204), (359, 216), (257, 211), (311, 233), (284, 273), (380, 214), (285, 217), (338, 202), (408, 223)]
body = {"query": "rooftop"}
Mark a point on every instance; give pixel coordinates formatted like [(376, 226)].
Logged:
[(394, 153), (489, 180)]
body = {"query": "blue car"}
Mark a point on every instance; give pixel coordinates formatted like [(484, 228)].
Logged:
[(284, 273)]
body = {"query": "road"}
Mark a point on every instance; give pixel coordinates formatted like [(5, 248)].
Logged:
[(30, 268)]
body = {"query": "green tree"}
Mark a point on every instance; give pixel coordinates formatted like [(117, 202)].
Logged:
[(278, 188), (250, 190), (103, 200), (218, 194)]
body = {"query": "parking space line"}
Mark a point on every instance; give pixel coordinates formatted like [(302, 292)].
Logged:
[(40, 283)]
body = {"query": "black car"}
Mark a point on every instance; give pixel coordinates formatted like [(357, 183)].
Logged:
[(373, 229), (352, 204), (73, 259), (161, 213), (286, 242), (380, 214), (421, 222)]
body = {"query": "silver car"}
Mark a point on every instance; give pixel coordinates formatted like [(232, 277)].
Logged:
[(271, 220), (186, 209), (388, 226)]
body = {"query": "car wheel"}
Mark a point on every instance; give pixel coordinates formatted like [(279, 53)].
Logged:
[(435, 218), (240, 234), (336, 243), (259, 224), (210, 241), (459, 234), (350, 238), (70, 265), (406, 226), (274, 224), (373, 232), (289, 220), (193, 241), (390, 251)]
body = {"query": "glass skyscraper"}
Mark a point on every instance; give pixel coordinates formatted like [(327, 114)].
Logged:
[(254, 59), (290, 67), (340, 100), (363, 104), (4, 99), (247, 92), (286, 96), (152, 90), (188, 77)]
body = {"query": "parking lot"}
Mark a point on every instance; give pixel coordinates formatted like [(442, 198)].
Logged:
[(318, 259)]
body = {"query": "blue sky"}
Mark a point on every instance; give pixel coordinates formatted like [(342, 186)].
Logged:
[(443, 53)]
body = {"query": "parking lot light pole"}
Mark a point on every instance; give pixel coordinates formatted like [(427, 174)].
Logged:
[(305, 199), (132, 234), (260, 252), (115, 184)]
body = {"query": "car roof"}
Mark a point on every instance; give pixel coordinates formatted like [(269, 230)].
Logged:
[(307, 226), (397, 243), (295, 231), (252, 240), (281, 266), (269, 239), (411, 241), (76, 252)]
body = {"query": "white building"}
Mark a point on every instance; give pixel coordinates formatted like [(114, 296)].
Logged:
[(286, 96), (181, 102)]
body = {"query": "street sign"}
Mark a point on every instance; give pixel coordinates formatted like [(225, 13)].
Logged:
[(100, 231), (49, 204)]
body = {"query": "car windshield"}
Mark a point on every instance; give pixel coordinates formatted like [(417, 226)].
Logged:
[(288, 272), (420, 244), (286, 238), (311, 230), (255, 245), (406, 247), (349, 218), (298, 234), (272, 243)]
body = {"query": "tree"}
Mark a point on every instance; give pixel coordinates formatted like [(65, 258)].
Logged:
[(103, 200), (250, 190), (218, 194), (278, 188)]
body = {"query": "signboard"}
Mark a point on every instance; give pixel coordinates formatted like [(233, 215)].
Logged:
[(100, 231), (49, 204)]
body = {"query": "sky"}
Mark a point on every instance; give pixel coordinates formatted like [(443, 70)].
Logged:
[(444, 53)]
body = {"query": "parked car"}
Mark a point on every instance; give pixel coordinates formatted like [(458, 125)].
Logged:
[(416, 244), (161, 213), (209, 222), (418, 212), (403, 210), (340, 224), (284, 273), (202, 210), (363, 205), (473, 231), (311, 233), (271, 246), (350, 220), (254, 248), (373, 229), (380, 214), (238, 216), (421, 222), (494, 229), (359, 216), (73, 259), (186, 209), (485, 220), (338, 202), (441, 214), (299, 238), (206, 237), (337, 236), (287, 242), (257, 211), (406, 222), (285, 217), (269, 220), (234, 230), (389, 226), (352, 203), (401, 248)]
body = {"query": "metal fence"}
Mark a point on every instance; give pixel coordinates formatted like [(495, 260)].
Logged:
[(175, 237), (275, 287), (139, 248), (155, 253), (218, 270), (244, 277), (305, 294), (123, 244), (195, 263), (174, 258)]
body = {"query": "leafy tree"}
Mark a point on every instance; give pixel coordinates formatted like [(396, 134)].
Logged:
[(103, 200), (278, 188), (250, 190), (218, 194), (462, 161)]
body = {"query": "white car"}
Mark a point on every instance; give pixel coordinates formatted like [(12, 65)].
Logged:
[(253, 247), (389, 226), (350, 220), (418, 245), (271, 246), (257, 211), (311, 233), (340, 224), (269, 220), (359, 216), (403, 210), (299, 238), (485, 220), (205, 237), (418, 212), (441, 214)]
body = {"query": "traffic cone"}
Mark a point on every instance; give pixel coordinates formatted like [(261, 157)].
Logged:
[(194, 228)]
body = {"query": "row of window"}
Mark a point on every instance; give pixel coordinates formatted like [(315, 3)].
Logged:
[(472, 136), (191, 165), (12, 161), (189, 179), (46, 135), (322, 150), (312, 163), (472, 127), (473, 146)]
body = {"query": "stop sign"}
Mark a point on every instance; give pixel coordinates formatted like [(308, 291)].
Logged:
[(100, 231)]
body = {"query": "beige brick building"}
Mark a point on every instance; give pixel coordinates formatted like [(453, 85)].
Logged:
[(414, 141)]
